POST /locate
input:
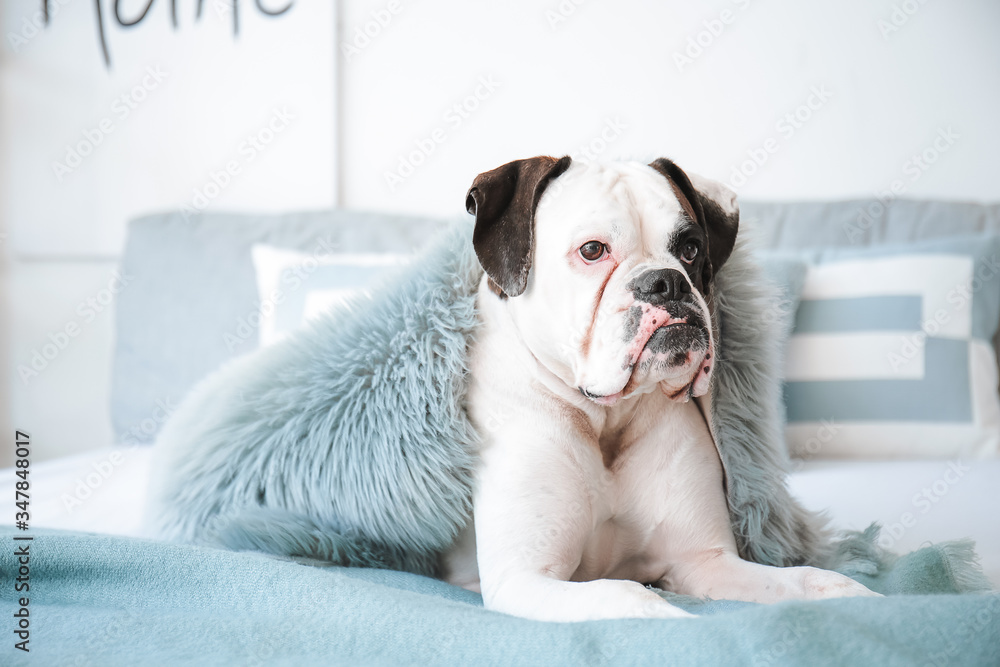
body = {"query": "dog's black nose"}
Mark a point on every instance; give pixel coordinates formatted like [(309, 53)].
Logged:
[(659, 286)]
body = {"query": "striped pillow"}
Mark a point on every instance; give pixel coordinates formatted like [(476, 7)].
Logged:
[(891, 356)]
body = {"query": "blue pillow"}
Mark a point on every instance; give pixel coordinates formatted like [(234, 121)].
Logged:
[(890, 355)]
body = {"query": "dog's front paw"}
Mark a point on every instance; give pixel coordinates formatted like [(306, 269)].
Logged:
[(820, 584), (613, 598), (545, 599), (662, 609)]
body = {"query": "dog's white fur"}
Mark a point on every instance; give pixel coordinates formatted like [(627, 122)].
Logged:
[(581, 501)]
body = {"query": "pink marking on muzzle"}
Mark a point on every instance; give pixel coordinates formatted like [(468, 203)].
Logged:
[(653, 317)]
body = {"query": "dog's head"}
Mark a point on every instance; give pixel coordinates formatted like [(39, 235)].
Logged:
[(606, 268)]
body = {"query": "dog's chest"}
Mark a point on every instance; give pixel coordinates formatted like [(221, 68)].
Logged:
[(664, 472), (582, 493)]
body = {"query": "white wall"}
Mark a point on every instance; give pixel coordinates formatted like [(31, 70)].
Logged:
[(615, 60), (97, 146), (608, 68), (185, 119), (64, 407)]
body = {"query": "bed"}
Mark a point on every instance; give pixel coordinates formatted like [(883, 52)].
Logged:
[(200, 295)]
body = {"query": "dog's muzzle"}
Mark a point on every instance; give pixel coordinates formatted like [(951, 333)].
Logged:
[(666, 331), (667, 340), (666, 320)]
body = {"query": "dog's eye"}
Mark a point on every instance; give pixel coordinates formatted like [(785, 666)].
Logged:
[(689, 251), (592, 251)]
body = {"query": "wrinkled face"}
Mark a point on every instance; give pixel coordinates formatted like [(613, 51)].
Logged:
[(605, 268), (615, 302)]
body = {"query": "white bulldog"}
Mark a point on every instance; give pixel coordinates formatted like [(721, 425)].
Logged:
[(599, 475)]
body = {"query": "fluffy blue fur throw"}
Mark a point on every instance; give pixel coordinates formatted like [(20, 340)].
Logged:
[(348, 442)]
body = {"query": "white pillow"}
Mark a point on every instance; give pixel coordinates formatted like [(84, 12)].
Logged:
[(891, 354), (295, 287)]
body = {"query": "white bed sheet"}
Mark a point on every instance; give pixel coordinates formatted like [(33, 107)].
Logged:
[(917, 502), (100, 491)]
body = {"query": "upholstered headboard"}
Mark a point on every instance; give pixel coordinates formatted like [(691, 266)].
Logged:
[(192, 281), (192, 296)]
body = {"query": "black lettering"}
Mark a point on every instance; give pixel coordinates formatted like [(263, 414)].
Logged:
[(142, 15), (128, 24)]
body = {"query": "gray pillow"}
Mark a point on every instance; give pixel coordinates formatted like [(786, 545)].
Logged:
[(788, 273), (191, 301)]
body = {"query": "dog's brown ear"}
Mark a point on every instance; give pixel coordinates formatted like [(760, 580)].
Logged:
[(715, 210), (504, 202)]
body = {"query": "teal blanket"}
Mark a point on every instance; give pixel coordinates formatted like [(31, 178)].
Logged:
[(104, 600)]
